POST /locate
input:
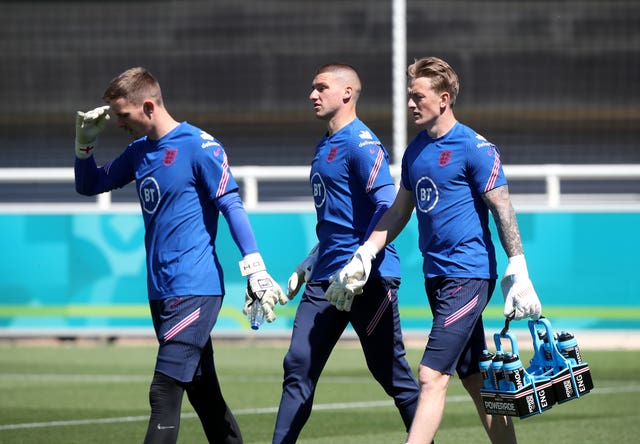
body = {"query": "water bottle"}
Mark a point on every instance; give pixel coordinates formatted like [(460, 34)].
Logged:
[(546, 350), (514, 375), (568, 347), (256, 315), (496, 371), (485, 369)]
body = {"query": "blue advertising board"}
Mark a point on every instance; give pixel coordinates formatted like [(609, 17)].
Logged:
[(86, 271)]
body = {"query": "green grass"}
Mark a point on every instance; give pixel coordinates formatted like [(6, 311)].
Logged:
[(46, 393)]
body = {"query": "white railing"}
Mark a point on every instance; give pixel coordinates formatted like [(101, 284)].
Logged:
[(554, 174), (250, 178)]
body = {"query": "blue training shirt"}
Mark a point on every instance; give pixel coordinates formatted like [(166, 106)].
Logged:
[(348, 167), (179, 179), (448, 176)]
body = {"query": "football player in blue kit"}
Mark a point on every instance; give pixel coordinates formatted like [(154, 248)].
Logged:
[(351, 186), (183, 180), (453, 178)]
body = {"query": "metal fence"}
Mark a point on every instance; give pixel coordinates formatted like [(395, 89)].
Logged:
[(549, 195)]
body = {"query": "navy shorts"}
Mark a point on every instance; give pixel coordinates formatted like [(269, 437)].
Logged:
[(457, 337), (183, 327)]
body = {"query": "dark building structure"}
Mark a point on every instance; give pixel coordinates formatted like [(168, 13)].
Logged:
[(547, 81)]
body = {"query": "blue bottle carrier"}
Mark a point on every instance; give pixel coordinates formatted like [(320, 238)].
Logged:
[(556, 373)]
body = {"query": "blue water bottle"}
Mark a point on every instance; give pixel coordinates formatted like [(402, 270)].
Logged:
[(546, 350), (496, 371), (485, 369), (568, 347), (514, 375)]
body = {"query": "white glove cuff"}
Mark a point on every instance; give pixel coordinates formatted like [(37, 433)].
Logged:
[(368, 249), (251, 263), (517, 265)]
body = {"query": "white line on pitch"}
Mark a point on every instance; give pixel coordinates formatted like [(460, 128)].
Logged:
[(103, 378), (268, 410), (255, 411)]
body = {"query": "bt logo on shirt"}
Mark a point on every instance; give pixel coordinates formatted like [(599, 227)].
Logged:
[(149, 193), (426, 194), (318, 189)]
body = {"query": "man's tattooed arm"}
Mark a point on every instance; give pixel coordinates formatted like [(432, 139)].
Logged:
[(499, 202)]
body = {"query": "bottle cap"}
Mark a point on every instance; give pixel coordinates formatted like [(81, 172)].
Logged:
[(486, 356), (565, 336), (511, 358)]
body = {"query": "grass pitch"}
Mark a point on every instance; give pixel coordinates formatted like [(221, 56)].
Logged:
[(98, 394)]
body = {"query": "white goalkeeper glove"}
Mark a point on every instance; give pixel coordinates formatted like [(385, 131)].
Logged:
[(302, 273), (261, 286), (88, 126), (520, 298), (350, 280)]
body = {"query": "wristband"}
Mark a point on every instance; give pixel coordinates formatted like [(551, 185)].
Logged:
[(251, 263)]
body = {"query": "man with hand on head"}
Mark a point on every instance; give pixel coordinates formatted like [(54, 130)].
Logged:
[(183, 180), (351, 187), (453, 178)]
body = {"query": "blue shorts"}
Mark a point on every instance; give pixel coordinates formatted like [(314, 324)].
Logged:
[(457, 338), (183, 327)]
